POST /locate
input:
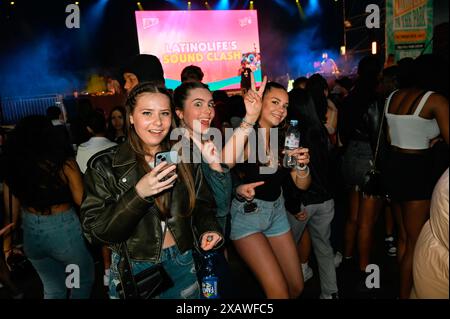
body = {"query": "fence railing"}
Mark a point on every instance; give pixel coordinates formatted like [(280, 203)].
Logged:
[(15, 108)]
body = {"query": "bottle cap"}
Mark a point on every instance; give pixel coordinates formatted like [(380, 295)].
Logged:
[(294, 122)]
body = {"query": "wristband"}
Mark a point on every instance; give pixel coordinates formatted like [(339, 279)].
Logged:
[(302, 169), (248, 123)]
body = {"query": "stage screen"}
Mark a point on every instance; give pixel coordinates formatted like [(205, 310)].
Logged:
[(218, 41)]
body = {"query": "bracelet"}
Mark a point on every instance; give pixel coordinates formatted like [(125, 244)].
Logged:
[(245, 127), (302, 169), (248, 123)]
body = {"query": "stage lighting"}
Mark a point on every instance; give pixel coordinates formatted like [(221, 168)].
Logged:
[(139, 5), (77, 3), (300, 9), (374, 47), (12, 3), (252, 5), (223, 5), (343, 50), (189, 5), (207, 5)]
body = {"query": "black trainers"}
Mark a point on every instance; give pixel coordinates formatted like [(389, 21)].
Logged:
[(391, 249)]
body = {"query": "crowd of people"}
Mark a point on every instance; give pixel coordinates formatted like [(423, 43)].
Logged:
[(109, 187)]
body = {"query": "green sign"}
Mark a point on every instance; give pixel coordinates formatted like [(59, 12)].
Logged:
[(409, 27)]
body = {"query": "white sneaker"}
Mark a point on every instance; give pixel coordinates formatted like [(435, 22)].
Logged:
[(332, 296), (307, 272), (337, 259), (106, 278)]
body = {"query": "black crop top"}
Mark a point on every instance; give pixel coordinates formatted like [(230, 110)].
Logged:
[(45, 197), (271, 189)]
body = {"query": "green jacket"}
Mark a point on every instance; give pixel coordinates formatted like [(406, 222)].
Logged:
[(112, 212)]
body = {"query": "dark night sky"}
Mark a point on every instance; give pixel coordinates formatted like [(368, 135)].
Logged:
[(31, 30)]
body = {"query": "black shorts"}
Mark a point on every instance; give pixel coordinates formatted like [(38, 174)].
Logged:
[(409, 177)]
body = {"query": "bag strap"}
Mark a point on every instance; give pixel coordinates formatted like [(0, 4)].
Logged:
[(10, 206), (129, 286), (196, 242), (13, 229), (380, 129)]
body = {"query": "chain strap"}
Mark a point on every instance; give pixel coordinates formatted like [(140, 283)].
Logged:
[(379, 134)]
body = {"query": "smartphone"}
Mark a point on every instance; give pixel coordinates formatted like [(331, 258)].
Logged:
[(171, 157)]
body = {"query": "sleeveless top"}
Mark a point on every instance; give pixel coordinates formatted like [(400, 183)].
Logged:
[(45, 197), (410, 131), (271, 189)]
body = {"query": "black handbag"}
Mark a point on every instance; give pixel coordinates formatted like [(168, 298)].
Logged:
[(147, 284), (372, 184)]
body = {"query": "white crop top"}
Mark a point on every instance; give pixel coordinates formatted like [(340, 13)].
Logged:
[(410, 131)]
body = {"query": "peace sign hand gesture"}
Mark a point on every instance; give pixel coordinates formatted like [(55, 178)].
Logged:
[(253, 100)]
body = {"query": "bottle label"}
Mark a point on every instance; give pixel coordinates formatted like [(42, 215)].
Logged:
[(292, 142), (209, 287)]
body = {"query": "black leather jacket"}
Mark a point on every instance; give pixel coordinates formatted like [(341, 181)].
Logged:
[(113, 212)]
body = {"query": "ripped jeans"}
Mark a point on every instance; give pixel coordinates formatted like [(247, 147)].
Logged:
[(180, 268)]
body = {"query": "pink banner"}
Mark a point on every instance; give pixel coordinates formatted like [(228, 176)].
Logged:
[(219, 42)]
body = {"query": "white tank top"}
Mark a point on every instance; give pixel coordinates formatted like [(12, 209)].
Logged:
[(410, 131)]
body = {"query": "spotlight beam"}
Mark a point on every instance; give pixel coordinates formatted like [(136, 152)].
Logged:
[(300, 9)]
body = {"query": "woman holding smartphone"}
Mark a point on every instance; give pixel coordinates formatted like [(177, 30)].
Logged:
[(129, 201)]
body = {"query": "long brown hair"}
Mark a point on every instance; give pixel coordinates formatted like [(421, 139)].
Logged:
[(183, 170)]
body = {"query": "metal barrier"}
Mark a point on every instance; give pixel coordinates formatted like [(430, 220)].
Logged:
[(15, 108)]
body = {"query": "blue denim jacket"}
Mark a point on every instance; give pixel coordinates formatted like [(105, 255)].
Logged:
[(221, 185)]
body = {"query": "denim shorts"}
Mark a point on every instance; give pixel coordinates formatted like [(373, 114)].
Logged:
[(269, 218), (180, 268)]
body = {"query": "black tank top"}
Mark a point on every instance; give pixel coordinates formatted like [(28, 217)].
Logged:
[(46, 196), (271, 189)]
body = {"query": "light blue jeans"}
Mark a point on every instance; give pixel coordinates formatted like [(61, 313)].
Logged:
[(53, 242), (318, 220), (180, 268)]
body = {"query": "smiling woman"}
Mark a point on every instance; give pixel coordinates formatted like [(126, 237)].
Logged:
[(151, 118), (260, 228), (194, 106), (148, 219)]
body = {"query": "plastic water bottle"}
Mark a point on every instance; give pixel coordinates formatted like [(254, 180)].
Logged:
[(291, 142), (209, 279)]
